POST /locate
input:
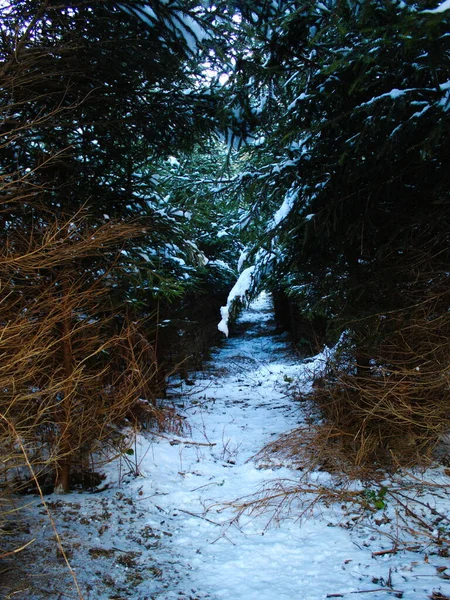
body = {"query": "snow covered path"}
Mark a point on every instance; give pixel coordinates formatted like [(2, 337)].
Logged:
[(237, 406), (172, 534)]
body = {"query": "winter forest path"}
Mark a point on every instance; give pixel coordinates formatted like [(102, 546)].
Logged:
[(239, 403), (171, 533)]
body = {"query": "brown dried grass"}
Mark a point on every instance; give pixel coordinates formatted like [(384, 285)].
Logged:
[(383, 400), (396, 410), (71, 364)]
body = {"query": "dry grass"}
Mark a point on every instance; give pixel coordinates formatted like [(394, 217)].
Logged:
[(74, 367), (382, 401), (374, 421), (395, 410), (407, 509), (71, 363)]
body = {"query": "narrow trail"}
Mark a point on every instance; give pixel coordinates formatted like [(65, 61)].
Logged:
[(238, 404), (171, 533)]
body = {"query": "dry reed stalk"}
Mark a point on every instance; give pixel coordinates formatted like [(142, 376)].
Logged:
[(80, 370), (57, 536)]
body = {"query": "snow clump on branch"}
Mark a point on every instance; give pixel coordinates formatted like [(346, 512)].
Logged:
[(239, 292)]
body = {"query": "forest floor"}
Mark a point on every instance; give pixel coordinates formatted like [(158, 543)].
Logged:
[(176, 531)]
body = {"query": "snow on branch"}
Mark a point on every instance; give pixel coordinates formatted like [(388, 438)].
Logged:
[(238, 292), (284, 210), (444, 6), (176, 20)]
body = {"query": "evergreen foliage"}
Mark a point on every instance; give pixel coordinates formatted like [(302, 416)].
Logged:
[(355, 125)]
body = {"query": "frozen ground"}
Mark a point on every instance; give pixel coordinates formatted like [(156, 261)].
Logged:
[(172, 532)]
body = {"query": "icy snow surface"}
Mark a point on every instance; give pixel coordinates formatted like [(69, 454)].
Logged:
[(169, 533)]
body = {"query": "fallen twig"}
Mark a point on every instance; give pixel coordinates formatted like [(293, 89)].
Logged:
[(174, 442), (187, 512), (16, 550), (384, 589), (396, 549), (383, 552), (200, 487)]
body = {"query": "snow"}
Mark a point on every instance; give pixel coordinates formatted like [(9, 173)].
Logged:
[(299, 98), (173, 161), (242, 258), (260, 141), (441, 8), (172, 531), (182, 24), (145, 256), (238, 292), (396, 93), (393, 94), (187, 214), (151, 13), (419, 113), (285, 208), (221, 264)]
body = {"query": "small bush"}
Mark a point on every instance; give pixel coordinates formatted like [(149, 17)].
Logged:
[(396, 408)]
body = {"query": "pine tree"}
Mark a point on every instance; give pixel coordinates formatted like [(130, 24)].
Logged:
[(355, 146)]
